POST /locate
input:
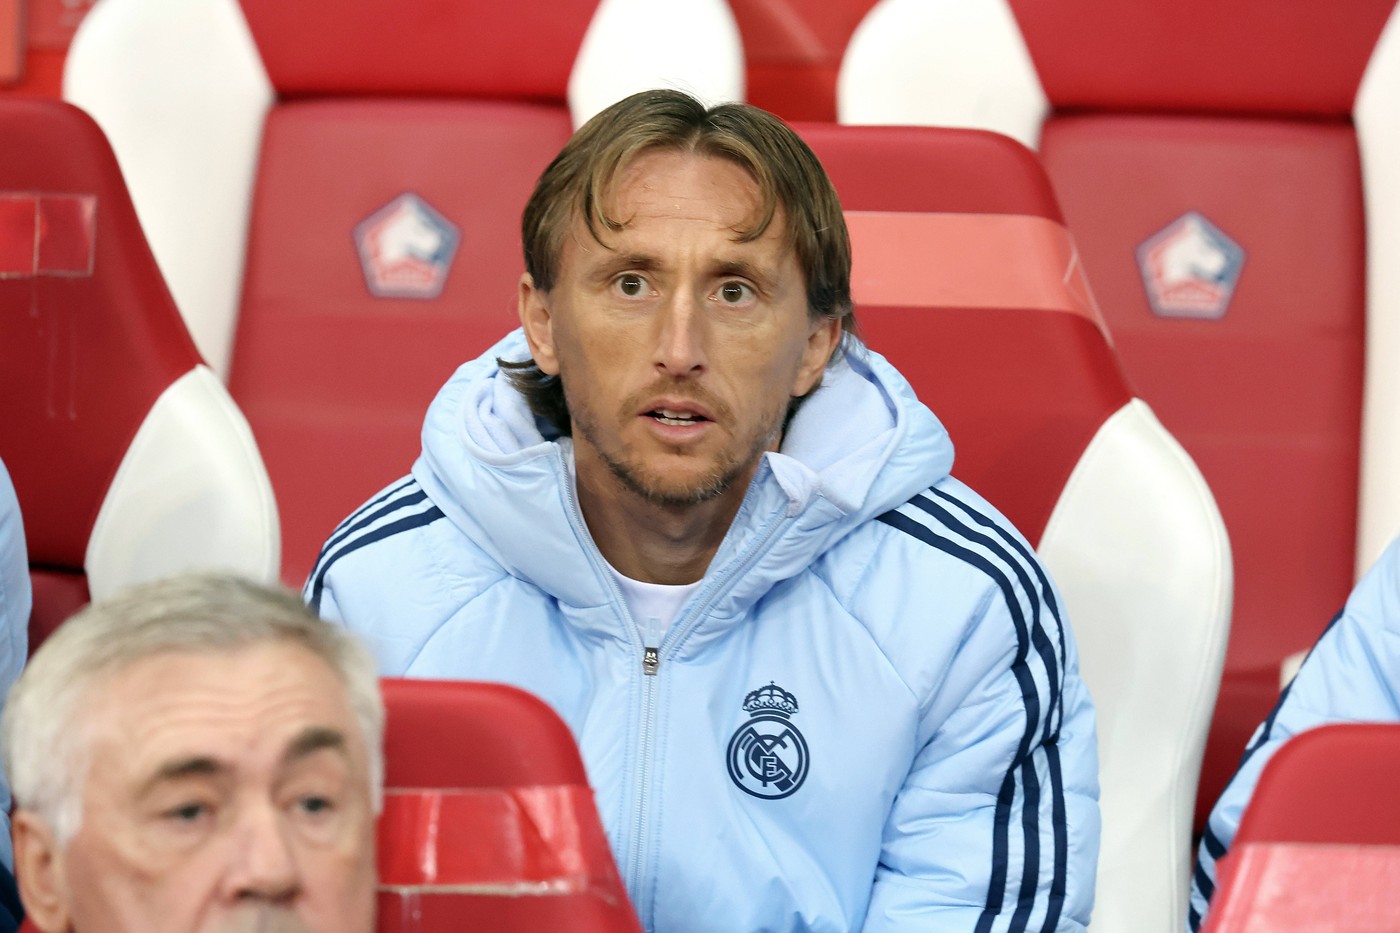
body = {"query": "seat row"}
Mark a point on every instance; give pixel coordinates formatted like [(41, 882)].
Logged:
[(332, 231), (1232, 193), (158, 475)]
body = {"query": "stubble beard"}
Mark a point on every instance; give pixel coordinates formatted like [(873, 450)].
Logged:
[(654, 490)]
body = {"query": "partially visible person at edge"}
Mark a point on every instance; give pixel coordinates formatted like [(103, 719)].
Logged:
[(196, 754), (1352, 674), (16, 602), (818, 684)]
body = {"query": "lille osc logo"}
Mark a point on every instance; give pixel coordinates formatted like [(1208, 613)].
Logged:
[(768, 757), (1190, 268), (406, 249)]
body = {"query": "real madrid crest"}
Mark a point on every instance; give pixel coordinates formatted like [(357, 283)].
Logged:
[(767, 756)]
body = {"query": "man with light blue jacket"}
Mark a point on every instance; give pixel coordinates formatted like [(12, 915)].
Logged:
[(818, 684), (1352, 674), (16, 602)]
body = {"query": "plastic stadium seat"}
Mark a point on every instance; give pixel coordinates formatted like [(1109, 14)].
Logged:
[(792, 52), (1232, 175), (489, 823), (1332, 784), (1319, 844), (967, 280), (129, 459), (334, 192)]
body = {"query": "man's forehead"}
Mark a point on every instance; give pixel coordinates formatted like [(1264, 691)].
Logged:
[(213, 760), (680, 186), (269, 691)]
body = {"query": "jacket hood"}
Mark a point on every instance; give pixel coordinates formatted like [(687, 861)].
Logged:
[(859, 446)]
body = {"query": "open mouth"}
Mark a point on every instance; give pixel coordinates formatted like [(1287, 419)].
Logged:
[(676, 418)]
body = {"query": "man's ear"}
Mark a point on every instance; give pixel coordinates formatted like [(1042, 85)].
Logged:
[(823, 337), (43, 887), (538, 322)]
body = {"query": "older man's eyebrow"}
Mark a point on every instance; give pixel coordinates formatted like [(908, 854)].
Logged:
[(178, 768), (314, 739)]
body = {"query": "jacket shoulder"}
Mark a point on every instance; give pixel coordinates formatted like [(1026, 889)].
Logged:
[(395, 570), (937, 570)]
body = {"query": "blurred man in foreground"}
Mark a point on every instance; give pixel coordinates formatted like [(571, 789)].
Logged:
[(196, 754)]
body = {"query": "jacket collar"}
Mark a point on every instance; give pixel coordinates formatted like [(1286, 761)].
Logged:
[(860, 445)]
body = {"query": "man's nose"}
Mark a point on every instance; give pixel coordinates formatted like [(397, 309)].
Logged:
[(264, 861), (682, 334)]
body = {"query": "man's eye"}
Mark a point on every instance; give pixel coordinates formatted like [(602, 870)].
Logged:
[(735, 292), (631, 285), (315, 805), (188, 812)]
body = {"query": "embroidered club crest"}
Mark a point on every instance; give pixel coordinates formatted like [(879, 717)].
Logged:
[(406, 249), (768, 757), (1190, 268)]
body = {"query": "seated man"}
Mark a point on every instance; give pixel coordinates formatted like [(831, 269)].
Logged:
[(198, 753), (15, 605), (818, 684), (1352, 674)]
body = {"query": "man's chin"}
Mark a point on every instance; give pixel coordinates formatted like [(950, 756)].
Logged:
[(675, 490)]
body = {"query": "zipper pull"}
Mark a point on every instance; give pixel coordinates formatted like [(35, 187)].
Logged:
[(651, 661)]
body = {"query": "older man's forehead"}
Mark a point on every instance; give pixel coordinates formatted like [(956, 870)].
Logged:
[(224, 763), (274, 697)]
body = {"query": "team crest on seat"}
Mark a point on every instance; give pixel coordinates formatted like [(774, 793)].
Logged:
[(1190, 268), (767, 756), (406, 249)]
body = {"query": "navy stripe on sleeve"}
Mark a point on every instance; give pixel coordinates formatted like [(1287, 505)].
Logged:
[(1047, 592), (357, 519), (417, 520), (393, 489), (1042, 644), (1029, 636), (1007, 547), (1059, 886), (1203, 877)]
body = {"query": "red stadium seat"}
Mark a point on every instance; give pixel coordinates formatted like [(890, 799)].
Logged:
[(334, 192), (128, 457), (792, 52), (1332, 784), (1232, 175), (967, 280), (1319, 844), (489, 823)]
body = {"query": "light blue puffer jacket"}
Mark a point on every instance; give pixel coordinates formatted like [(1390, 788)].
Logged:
[(1352, 674), (868, 717)]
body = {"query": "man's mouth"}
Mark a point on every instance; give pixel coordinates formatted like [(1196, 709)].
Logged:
[(676, 418)]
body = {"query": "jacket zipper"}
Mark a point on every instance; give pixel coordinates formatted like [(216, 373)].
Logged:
[(651, 663), (651, 669)]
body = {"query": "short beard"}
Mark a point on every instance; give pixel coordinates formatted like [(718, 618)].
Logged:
[(707, 488)]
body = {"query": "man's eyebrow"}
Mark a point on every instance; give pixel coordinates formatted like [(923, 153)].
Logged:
[(743, 269), (314, 739), (178, 768), (606, 265)]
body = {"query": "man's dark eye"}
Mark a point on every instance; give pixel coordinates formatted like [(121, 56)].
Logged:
[(733, 292), (631, 285), (315, 804), (187, 813)]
